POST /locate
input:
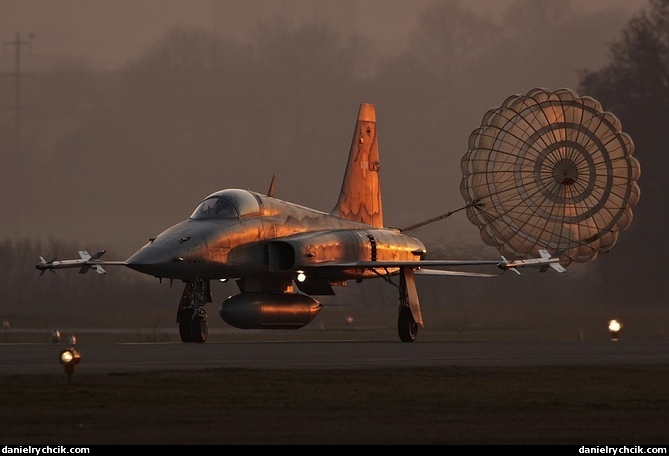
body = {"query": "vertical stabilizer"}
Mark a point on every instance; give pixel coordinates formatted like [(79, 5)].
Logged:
[(360, 196)]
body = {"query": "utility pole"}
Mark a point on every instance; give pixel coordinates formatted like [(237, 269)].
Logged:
[(15, 168), (17, 43)]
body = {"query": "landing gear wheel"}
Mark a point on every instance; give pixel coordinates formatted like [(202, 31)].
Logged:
[(407, 328), (199, 328), (193, 326), (185, 318)]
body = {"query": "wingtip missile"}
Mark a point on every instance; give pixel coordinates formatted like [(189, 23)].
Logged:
[(543, 263), (43, 265), (505, 265), (84, 263)]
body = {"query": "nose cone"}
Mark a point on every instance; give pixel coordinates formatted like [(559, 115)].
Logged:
[(155, 260)]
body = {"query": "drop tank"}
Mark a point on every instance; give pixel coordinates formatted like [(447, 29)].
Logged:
[(269, 310)]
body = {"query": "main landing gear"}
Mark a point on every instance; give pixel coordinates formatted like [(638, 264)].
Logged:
[(409, 313), (407, 328), (191, 316)]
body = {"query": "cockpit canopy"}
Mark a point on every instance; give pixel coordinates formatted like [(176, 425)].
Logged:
[(227, 204)]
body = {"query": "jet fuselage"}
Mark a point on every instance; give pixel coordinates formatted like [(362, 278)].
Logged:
[(259, 235)]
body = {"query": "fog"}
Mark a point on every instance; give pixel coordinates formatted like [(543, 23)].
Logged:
[(131, 112)]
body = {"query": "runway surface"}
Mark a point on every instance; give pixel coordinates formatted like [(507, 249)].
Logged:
[(111, 358)]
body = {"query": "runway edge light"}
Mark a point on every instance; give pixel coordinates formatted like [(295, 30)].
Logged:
[(69, 358), (614, 329)]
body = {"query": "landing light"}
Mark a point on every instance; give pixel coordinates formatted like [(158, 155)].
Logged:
[(301, 276)]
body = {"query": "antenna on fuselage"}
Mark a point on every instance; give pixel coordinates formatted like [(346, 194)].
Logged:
[(270, 192)]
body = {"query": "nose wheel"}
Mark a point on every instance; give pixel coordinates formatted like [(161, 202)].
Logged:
[(193, 325), (191, 316)]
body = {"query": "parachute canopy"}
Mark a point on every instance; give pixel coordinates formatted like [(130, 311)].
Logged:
[(550, 170)]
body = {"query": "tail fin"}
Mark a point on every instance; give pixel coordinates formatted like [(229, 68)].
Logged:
[(360, 196)]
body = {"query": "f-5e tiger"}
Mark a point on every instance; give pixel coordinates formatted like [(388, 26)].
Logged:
[(283, 254)]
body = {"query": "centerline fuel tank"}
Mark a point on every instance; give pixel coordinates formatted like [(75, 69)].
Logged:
[(255, 310)]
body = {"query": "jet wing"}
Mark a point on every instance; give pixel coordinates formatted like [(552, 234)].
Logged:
[(424, 267), (445, 272)]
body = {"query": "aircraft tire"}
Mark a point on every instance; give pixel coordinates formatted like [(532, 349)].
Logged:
[(185, 325), (407, 328), (199, 328)]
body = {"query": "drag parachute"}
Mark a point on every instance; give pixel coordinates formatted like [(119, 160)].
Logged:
[(550, 170)]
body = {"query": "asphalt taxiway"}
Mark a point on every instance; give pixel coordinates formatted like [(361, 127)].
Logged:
[(118, 358)]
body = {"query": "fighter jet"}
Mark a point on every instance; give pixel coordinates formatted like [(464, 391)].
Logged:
[(283, 254)]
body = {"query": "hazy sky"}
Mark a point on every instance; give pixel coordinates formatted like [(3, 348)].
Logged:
[(106, 33), (424, 124)]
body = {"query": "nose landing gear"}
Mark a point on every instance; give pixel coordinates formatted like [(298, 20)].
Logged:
[(191, 315)]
